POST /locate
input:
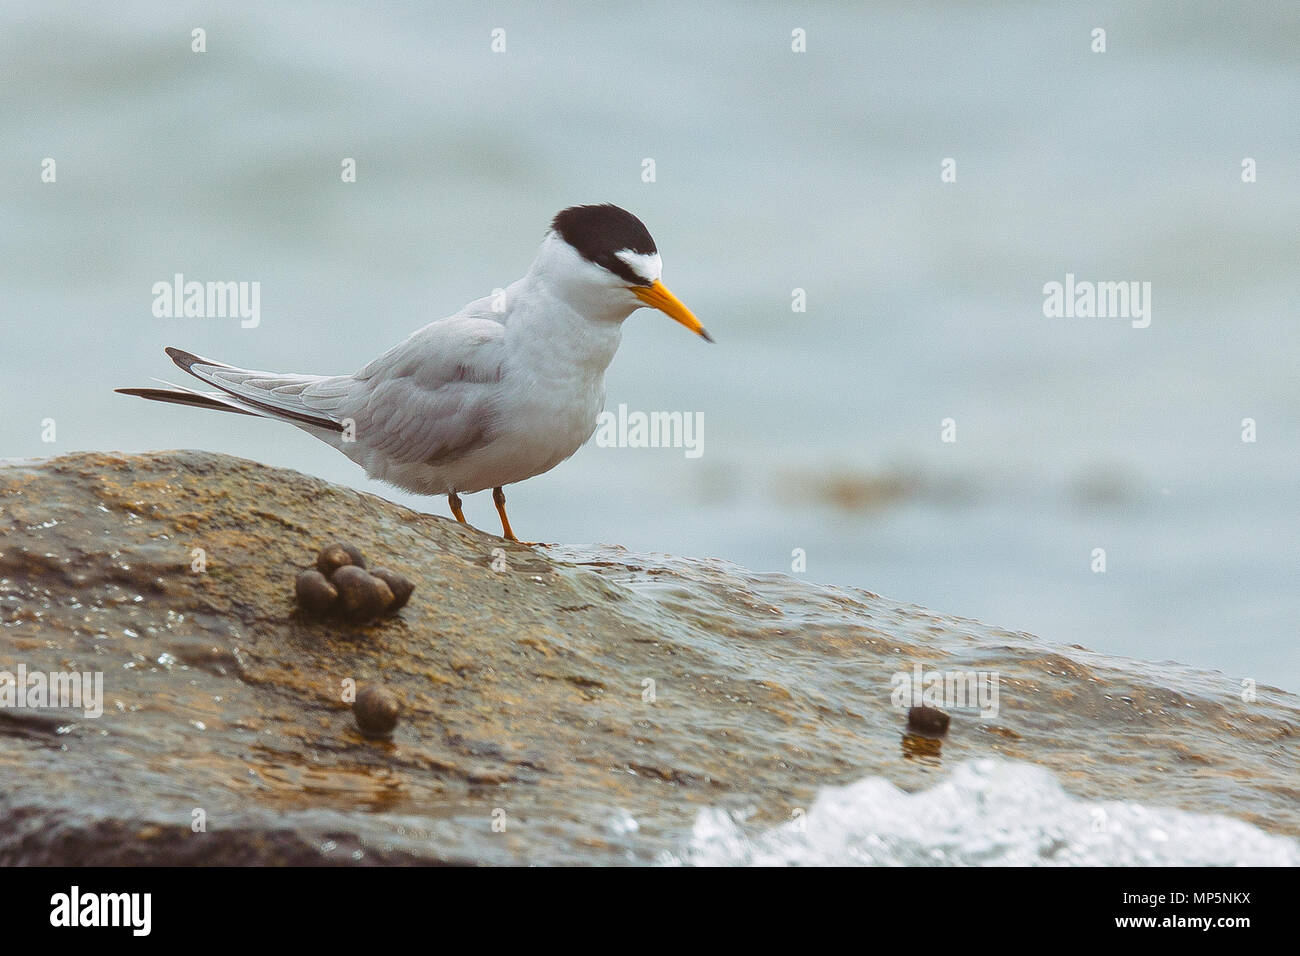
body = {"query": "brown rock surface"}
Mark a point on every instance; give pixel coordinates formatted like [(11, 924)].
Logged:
[(526, 694)]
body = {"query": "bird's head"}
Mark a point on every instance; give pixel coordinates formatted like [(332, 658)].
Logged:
[(607, 258)]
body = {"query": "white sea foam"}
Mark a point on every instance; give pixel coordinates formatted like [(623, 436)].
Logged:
[(985, 813)]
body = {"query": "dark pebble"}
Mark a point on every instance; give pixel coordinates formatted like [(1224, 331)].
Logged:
[(332, 558), (354, 553), (928, 720), (376, 710), (399, 585), (362, 596), (315, 593)]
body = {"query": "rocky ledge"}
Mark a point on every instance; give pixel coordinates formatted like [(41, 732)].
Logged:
[(558, 705)]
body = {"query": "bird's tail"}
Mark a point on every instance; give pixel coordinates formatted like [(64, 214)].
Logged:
[(179, 395), (309, 401)]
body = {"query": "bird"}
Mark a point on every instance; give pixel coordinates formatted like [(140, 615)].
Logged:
[(501, 391)]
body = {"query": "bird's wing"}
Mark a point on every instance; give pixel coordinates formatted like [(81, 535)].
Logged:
[(434, 396)]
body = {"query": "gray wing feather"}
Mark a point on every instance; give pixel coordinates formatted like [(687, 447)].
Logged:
[(271, 394), (428, 399), (433, 396)]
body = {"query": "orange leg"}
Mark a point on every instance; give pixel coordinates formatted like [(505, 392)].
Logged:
[(499, 499), (453, 499)]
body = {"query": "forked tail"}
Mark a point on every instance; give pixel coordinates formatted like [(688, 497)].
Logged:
[(311, 401)]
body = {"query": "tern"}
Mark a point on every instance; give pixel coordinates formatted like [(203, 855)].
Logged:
[(501, 391)]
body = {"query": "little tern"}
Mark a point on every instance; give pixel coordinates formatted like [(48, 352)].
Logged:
[(505, 389)]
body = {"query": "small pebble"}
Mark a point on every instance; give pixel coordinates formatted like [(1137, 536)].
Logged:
[(354, 553), (315, 593), (362, 596), (376, 711), (399, 585), (332, 558), (927, 720)]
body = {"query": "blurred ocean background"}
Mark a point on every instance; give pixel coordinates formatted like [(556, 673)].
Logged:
[(775, 171)]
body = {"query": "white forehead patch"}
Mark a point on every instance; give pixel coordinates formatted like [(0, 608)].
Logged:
[(649, 267)]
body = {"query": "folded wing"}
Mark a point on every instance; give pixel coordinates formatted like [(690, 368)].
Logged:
[(429, 399), (434, 396), (301, 399)]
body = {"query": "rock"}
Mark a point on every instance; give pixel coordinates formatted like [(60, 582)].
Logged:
[(354, 553), (362, 596), (930, 721), (316, 595), (376, 710), (331, 558), (401, 587), (573, 691)]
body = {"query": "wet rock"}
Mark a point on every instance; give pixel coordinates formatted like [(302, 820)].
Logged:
[(574, 687)]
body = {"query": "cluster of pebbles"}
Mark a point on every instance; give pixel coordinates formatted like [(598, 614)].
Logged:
[(341, 586)]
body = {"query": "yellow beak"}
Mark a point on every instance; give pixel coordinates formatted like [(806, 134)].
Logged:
[(657, 296)]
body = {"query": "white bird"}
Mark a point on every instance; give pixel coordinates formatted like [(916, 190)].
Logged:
[(499, 392)]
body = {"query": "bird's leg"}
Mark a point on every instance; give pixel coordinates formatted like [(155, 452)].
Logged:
[(453, 499), (499, 499)]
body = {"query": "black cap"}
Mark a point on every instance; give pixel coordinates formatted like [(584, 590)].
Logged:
[(599, 232)]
